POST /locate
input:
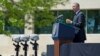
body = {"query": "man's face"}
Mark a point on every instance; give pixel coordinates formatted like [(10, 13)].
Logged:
[(75, 7)]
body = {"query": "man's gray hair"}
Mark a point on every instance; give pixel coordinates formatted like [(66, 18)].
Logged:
[(77, 4)]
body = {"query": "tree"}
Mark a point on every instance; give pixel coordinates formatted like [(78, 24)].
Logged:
[(13, 11)]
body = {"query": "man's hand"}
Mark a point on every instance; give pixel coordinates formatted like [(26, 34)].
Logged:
[(68, 21)]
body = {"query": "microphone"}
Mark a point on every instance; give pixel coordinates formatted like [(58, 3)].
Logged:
[(60, 16)]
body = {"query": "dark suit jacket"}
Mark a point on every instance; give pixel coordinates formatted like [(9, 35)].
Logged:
[(79, 24)]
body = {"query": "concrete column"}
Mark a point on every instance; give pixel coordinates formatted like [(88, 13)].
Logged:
[(29, 26)]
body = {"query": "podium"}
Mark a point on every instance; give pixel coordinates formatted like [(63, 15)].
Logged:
[(62, 34)]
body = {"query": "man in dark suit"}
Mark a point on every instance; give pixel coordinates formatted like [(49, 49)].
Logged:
[(79, 24)]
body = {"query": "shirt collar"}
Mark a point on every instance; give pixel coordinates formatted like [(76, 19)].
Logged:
[(77, 12)]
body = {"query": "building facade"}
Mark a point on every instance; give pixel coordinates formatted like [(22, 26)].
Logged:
[(91, 9)]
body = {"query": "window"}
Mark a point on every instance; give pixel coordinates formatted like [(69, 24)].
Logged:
[(7, 27), (48, 30), (93, 21), (1, 24), (13, 29)]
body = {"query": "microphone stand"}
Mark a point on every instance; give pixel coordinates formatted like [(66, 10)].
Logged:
[(35, 47), (17, 47), (25, 47)]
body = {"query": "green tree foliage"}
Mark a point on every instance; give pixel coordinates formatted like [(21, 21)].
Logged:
[(12, 12)]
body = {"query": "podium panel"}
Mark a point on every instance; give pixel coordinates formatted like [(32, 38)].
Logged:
[(62, 31)]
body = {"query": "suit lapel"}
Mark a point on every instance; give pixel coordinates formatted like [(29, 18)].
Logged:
[(76, 17)]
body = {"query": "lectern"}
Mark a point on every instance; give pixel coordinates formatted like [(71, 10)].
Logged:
[(62, 33)]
